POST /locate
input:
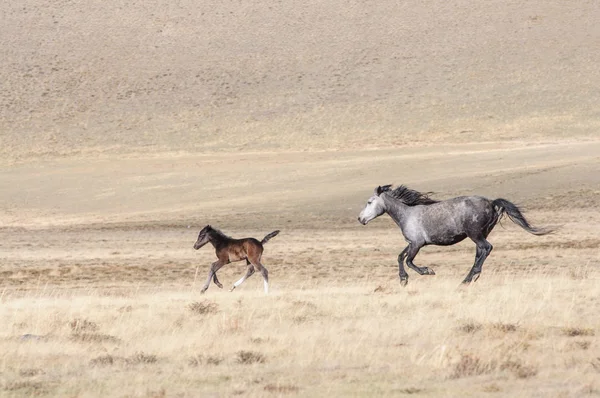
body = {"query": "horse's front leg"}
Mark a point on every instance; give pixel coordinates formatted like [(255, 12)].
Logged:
[(213, 270), (413, 249), (216, 281), (401, 270)]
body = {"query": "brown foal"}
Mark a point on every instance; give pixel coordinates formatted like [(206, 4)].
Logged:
[(229, 249)]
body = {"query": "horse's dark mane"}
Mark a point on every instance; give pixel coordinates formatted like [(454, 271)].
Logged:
[(217, 232), (408, 196)]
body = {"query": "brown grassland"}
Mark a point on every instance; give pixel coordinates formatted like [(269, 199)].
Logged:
[(125, 127)]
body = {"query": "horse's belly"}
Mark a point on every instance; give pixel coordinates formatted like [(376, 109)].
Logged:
[(237, 255), (448, 240)]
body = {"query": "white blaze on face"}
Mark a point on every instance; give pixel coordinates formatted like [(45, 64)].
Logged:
[(373, 209)]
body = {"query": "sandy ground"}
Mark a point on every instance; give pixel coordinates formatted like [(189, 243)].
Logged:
[(125, 128)]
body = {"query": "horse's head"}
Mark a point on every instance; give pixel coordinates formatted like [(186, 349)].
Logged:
[(375, 206), (203, 237)]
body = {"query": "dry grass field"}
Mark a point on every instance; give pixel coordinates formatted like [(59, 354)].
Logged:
[(126, 127)]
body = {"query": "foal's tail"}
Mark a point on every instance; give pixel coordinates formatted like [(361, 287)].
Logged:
[(514, 213), (268, 237)]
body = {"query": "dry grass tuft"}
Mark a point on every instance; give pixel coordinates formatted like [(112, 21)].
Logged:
[(30, 372), (203, 307), (258, 340), (469, 327), (470, 365), (518, 369), (301, 304), (83, 325), (581, 345), (104, 360), (411, 390), (492, 388), (141, 358), (94, 338), (574, 332), (281, 388), (380, 289), (198, 360), (26, 388), (504, 327), (249, 357), (161, 393)]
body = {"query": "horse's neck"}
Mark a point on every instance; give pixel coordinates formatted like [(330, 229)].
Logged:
[(397, 210), (217, 240)]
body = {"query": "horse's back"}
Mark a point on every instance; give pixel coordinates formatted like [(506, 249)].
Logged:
[(450, 221)]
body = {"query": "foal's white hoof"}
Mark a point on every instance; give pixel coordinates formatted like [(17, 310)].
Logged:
[(232, 289)]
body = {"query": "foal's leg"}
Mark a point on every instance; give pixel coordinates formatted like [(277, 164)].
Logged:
[(413, 249), (264, 272), (249, 273), (254, 256), (484, 248), (213, 270), (216, 281), (401, 270)]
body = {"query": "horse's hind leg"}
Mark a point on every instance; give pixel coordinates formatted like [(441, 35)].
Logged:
[(413, 249), (484, 248), (264, 272), (254, 256), (249, 273), (265, 275)]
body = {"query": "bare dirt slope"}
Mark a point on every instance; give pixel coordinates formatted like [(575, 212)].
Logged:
[(81, 77), (126, 127)]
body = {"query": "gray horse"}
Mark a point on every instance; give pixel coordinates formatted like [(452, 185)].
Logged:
[(425, 221)]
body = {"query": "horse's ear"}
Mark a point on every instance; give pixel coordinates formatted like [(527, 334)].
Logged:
[(380, 189)]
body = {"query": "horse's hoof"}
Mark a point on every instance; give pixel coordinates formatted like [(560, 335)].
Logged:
[(428, 271), (475, 277), (403, 282), (220, 286), (202, 291), (231, 290)]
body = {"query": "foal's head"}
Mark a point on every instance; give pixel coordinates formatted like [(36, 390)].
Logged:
[(203, 237), (375, 206)]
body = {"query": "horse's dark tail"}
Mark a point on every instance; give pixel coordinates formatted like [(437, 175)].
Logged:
[(514, 213), (268, 237)]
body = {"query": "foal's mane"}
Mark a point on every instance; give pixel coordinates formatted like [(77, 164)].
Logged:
[(408, 196), (214, 231)]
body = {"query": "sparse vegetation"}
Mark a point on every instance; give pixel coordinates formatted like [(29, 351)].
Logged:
[(82, 325), (198, 360), (203, 307), (281, 388), (518, 369), (470, 327), (471, 365), (141, 358), (504, 327), (576, 331), (94, 338), (249, 357)]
